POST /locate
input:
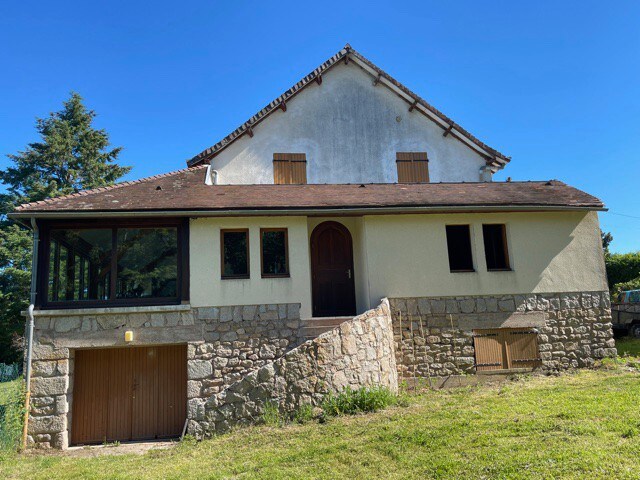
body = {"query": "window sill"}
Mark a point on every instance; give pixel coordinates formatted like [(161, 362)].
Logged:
[(64, 312), (499, 270), (236, 277), (463, 271), (283, 275)]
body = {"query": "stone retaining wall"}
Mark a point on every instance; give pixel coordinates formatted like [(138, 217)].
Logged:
[(359, 352), (223, 344), (434, 335)]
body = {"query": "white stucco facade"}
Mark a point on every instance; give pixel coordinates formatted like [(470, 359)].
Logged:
[(350, 131), (406, 256)]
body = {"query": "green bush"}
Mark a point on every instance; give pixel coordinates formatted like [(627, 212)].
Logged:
[(622, 267), (364, 399), (11, 414)]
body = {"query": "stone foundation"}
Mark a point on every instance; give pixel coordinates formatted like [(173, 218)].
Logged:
[(359, 352), (434, 335), (239, 357), (224, 344)]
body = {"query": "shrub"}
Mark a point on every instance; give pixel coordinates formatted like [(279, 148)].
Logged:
[(272, 416), (364, 399), (304, 414)]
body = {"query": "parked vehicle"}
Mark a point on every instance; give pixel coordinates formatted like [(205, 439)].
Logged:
[(626, 314)]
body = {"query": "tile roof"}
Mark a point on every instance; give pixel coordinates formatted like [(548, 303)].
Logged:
[(494, 158), (185, 190)]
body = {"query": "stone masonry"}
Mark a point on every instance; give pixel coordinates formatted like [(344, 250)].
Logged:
[(359, 352), (434, 335), (224, 343)]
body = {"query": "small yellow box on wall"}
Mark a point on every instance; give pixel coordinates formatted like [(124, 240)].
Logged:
[(128, 336)]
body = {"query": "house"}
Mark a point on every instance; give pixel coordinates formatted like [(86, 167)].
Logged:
[(348, 233)]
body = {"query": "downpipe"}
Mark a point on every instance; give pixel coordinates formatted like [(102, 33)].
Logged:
[(30, 328)]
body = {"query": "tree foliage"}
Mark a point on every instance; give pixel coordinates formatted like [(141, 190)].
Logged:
[(71, 156), (622, 268)]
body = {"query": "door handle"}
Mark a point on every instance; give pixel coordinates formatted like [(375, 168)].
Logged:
[(349, 274)]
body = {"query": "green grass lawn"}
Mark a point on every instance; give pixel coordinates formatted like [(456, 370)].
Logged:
[(628, 346), (581, 425), (11, 414)]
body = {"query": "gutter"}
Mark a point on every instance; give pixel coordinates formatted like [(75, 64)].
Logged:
[(30, 328), (252, 212)]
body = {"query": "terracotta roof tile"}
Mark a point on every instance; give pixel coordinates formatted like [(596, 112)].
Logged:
[(185, 190)]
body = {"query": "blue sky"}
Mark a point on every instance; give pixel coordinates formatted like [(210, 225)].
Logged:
[(555, 85)]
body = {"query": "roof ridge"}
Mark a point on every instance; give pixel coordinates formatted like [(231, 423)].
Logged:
[(498, 160), (105, 188)]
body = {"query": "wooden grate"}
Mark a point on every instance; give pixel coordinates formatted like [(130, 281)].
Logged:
[(506, 348)]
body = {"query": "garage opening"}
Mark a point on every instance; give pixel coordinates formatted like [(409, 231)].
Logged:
[(506, 349), (129, 394)]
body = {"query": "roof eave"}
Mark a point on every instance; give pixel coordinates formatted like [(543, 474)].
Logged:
[(305, 211)]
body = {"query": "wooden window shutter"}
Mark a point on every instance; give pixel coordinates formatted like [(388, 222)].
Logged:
[(289, 168), (413, 167), (506, 348)]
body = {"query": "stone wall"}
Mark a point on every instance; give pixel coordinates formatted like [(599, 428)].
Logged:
[(359, 352), (224, 343), (434, 336)]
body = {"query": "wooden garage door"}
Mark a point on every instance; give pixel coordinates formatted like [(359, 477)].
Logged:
[(506, 348), (123, 394)]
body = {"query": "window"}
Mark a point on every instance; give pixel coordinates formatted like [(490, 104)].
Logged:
[(234, 251), (289, 168), (459, 247), (274, 252), (413, 167), (90, 265), (495, 247)]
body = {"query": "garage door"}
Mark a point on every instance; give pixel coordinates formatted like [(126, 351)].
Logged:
[(127, 394)]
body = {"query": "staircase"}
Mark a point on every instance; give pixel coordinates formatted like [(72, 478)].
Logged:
[(312, 327)]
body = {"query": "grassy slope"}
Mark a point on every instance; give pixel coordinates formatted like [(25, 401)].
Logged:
[(573, 426)]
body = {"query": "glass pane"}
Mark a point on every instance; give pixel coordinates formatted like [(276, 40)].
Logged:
[(147, 262), (79, 264), (234, 254), (494, 247), (274, 253), (459, 247)]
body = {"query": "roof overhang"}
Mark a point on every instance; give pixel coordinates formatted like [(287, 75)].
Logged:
[(345, 211)]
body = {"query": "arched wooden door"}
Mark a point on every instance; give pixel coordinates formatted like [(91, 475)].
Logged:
[(333, 286)]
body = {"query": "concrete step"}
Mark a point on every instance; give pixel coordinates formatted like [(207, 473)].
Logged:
[(324, 321), (312, 327)]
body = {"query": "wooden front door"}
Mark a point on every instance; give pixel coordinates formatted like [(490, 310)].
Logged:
[(123, 394), (332, 273)]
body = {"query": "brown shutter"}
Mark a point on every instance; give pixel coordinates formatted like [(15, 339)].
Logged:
[(413, 167), (506, 348), (522, 348), (289, 168), (489, 350)]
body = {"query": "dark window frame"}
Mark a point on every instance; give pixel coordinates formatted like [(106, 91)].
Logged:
[(286, 253), (505, 246), (234, 277), (470, 237), (42, 275)]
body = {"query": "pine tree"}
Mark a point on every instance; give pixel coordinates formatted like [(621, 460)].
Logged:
[(71, 156)]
